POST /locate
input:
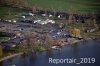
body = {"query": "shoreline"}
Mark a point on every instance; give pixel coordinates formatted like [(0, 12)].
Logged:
[(66, 43)]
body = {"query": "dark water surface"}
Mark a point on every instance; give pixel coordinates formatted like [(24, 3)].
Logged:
[(89, 49)]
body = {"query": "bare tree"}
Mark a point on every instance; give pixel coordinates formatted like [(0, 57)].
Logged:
[(1, 51), (70, 18), (34, 9)]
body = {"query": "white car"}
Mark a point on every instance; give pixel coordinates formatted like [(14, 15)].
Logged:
[(58, 33), (44, 15), (9, 20), (31, 14), (43, 22), (50, 21), (14, 21), (23, 17), (50, 15), (37, 21), (59, 16)]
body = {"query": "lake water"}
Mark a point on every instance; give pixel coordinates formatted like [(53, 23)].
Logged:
[(89, 49)]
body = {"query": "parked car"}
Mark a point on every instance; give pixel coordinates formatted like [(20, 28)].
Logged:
[(26, 21)]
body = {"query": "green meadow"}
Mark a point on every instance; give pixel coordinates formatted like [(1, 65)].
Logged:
[(4, 39), (83, 6), (74, 6)]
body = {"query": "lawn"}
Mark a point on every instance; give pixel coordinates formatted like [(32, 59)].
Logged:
[(6, 10), (82, 6), (4, 39)]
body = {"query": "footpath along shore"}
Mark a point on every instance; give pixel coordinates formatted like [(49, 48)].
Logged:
[(11, 56)]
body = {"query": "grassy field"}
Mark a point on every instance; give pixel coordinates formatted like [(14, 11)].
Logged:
[(80, 6), (83, 6), (6, 10)]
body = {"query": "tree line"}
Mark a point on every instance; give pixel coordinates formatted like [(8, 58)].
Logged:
[(17, 3)]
